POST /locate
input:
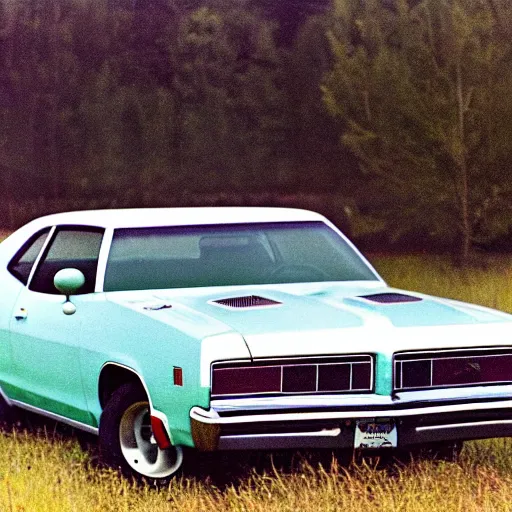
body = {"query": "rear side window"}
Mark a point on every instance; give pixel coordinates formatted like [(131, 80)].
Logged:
[(21, 265), (70, 247)]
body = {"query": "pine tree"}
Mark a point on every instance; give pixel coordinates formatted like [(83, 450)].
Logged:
[(418, 90)]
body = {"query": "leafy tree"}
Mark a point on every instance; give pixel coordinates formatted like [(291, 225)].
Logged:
[(312, 136), (421, 92), (230, 105), (39, 75)]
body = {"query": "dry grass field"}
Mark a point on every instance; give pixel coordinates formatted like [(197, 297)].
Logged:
[(488, 283), (41, 472)]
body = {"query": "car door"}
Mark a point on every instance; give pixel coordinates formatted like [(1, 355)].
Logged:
[(13, 282), (45, 342)]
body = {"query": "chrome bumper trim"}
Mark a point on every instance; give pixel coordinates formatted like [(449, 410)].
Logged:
[(333, 432), (56, 417), (432, 396), (429, 428), (279, 440), (212, 417)]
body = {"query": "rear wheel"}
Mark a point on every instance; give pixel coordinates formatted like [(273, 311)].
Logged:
[(127, 441)]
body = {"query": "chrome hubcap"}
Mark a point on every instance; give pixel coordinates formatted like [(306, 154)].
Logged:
[(139, 447)]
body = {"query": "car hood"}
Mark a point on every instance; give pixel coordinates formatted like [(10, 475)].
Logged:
[(325, 318)]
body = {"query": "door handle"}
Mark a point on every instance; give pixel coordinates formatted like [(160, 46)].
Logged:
[(21, 314)]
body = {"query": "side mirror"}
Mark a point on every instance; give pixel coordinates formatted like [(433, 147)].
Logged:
[(68, 281)]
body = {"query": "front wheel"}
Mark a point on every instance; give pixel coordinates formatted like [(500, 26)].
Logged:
[(127, 441)]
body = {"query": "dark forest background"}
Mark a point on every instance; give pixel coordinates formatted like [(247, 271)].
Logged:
[(392, 117)]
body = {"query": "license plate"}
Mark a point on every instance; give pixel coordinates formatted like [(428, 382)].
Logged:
[(375, 434)]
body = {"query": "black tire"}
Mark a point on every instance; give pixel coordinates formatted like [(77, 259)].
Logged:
[(126, 439)]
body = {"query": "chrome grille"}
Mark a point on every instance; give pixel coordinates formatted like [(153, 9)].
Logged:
[(452, 368)]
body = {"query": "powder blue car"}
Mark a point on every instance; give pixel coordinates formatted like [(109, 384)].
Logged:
[(236, 329)]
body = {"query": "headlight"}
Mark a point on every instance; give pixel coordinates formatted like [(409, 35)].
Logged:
[(346, 374)]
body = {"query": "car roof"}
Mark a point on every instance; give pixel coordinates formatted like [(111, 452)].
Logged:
[(154, 217)]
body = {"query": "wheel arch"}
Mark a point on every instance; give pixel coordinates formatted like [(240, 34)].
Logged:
[(113, 375)]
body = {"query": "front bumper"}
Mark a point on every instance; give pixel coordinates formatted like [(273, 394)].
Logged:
[(329, 421)]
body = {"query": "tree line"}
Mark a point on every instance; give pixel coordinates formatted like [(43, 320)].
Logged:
[(398, 111)]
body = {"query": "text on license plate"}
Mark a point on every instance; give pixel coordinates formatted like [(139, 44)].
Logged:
[(375, 434)]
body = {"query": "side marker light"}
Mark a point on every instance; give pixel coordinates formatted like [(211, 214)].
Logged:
[(160, 433), (177, 373)]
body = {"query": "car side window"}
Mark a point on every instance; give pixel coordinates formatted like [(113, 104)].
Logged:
[(71, 247), (21, 265)]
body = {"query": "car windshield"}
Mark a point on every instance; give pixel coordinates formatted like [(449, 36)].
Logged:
[(236, 254)]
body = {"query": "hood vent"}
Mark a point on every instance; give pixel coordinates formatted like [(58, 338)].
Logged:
[(390, 298), (249, 301)]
